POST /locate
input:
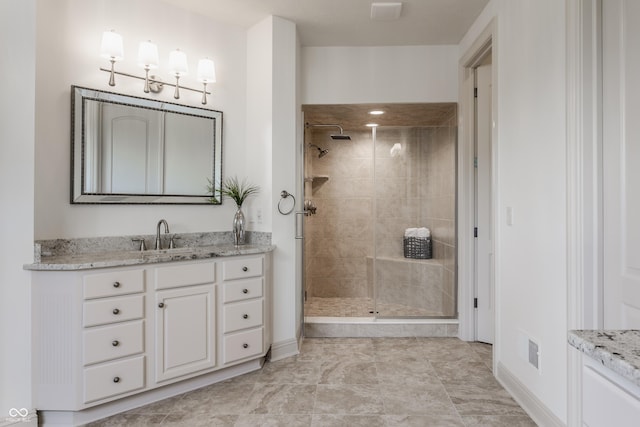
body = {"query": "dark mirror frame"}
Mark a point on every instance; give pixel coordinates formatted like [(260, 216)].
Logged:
[(79, 95)]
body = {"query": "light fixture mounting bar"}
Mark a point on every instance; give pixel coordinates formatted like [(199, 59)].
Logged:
[(151, 80)]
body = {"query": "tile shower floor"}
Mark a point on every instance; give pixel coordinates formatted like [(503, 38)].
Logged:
[(360, 307), (350, 382)]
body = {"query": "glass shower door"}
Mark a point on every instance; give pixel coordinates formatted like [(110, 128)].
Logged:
[(414, 188)]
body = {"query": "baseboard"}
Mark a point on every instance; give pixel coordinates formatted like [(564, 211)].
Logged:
[(284, 349), (537, 410)]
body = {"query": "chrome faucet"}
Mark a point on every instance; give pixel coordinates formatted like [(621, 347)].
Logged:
[(166, 230)]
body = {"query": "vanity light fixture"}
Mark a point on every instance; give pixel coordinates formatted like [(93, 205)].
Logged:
[(206, 74), (111, 48), (178, 67), (148, 59), (376, 112)]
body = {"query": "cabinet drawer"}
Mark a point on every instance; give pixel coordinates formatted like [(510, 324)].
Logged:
[(113, 378), (242, 315), (113, 283), (241, 290), (111, 310), (112, 342), (605, 402), (241, 268), (242, 345), (185, 275)]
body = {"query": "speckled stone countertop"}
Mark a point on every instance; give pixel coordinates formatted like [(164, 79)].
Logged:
[(617, 350), (117, 251), (118, 259)]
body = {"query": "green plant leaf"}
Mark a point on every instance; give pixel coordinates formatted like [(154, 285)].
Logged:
[(238, 191)]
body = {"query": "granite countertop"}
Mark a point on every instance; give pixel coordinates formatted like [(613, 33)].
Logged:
[(618, 350), (85, 261)]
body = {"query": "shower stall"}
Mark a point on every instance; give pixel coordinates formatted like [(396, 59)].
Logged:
[(362, 192)]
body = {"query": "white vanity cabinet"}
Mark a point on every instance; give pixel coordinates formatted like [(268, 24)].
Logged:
[(607, 398), (110, 339)]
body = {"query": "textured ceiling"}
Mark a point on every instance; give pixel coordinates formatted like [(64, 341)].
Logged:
[(355, 117), (348, 22)]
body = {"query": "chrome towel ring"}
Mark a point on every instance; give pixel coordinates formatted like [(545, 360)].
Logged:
[(284, 194)]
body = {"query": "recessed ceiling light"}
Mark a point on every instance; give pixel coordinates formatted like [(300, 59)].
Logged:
[(386, 11), (371, 125), (376, 112)]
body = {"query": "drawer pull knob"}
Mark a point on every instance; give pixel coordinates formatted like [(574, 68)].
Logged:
[(116, 284), (161, 304), (245, 268), (116, 311), (245, 291), (245, 345), (115, 343), (245, 316), (116, 379)]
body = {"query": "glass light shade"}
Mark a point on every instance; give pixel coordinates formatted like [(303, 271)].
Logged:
[(178, 63), (206, 71), (111, 47), (148, 55)]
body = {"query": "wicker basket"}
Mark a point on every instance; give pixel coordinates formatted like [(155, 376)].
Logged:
[(418, 247)]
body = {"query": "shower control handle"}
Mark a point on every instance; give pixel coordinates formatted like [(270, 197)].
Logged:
[(300, 224)]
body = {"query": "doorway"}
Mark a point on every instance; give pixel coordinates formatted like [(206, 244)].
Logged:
[(483, 195), (476, 212), (362, 194)]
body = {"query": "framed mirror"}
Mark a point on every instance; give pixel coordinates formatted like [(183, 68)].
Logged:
[(130, 150)]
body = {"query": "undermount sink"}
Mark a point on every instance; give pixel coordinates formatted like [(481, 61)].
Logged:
[(168, 251), (182, 253)]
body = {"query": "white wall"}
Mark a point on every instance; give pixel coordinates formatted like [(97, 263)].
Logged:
[(529, 55), (356, 75), (17, 116), (259, 120), (68, 41), (271, 139)]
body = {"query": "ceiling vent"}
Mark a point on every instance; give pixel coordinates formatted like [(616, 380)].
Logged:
[(387, 11)]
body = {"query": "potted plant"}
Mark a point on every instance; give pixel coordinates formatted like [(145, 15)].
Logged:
[(239, 192)]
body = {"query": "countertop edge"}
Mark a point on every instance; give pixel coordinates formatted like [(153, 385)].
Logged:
[(608, 358), (131, 258)]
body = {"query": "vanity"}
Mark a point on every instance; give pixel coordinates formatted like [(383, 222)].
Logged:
[(120, 329), (610, 374)]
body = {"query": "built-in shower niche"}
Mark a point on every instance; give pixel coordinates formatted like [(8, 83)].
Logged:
[(316, 181)]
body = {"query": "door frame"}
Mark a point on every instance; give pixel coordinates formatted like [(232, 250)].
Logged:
[(584, 183), (476, 53)]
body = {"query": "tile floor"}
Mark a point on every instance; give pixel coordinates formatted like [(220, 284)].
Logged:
[(350, 382)]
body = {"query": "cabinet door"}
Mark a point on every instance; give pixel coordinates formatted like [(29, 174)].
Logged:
[(621, 154), (185, 331)]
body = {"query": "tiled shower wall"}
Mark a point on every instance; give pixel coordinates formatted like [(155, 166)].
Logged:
[(339, 237), (414, 188)]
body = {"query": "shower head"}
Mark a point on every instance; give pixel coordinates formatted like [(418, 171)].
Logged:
[(341, 136), (321, 151)]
